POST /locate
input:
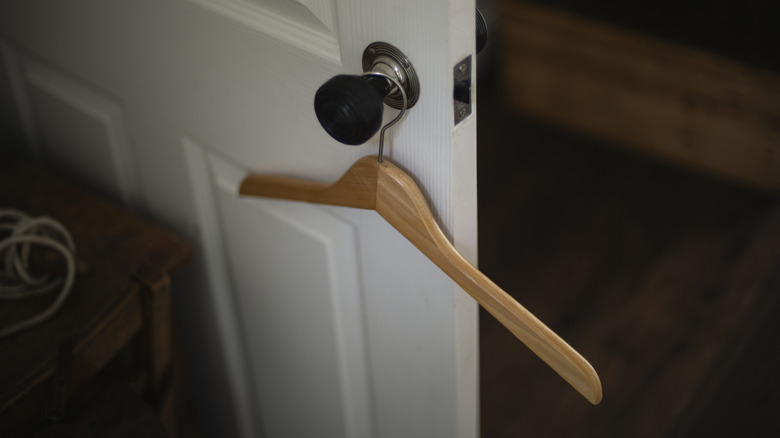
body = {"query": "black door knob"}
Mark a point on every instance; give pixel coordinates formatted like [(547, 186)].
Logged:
[(482, 32), (350, 107)]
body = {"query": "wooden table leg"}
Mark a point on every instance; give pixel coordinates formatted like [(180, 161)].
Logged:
[(154, 344)]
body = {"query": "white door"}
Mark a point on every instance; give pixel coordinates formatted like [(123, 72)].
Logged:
[(299, 320)]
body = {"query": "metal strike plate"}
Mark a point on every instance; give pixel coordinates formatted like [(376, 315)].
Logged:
[(461, 94)]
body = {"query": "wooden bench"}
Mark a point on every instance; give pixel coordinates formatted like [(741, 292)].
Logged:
[(121, 298)]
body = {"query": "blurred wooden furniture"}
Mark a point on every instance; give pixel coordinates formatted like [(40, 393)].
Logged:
[(117, 412), (121, 298), (663, 99)]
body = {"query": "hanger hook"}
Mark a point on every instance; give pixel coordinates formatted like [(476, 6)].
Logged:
[(404, 103)]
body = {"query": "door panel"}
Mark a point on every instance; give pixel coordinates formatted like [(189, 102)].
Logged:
[(300, 320), (80, 133), (302, 372), (73, 128), (308, 25), (308, 255)]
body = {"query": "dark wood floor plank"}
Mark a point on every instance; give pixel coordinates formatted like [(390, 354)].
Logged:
[(653, 274)]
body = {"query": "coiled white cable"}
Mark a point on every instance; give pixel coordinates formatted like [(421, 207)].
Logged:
[(16, 279)]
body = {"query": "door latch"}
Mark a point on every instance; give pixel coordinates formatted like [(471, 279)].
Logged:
[(462, 81), (462, 89)]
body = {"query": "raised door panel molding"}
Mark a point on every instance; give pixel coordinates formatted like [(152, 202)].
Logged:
[(79, 132), (272, 246), (323, 10), (306, 24), (219, 285)]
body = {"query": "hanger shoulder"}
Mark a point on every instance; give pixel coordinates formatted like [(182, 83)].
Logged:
[(356, 188), (401, 203)]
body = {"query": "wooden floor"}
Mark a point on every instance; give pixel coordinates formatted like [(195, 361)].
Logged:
[(667, 282)]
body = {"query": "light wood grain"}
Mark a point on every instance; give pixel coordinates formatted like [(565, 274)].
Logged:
[(394, 195), (356, 188)]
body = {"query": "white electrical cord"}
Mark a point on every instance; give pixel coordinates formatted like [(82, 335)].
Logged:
[(16, 280)]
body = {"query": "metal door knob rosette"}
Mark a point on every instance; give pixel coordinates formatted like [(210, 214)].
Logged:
[(350, 107)]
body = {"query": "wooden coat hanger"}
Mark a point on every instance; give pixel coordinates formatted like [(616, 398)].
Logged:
[(381, 186)]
